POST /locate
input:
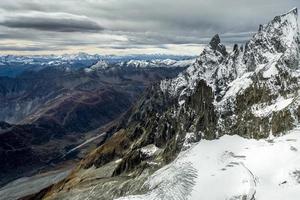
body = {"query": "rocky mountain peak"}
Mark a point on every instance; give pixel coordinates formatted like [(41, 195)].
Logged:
[(291, 15), (278, 38), (215, 41), (215, 45), (285, 25)]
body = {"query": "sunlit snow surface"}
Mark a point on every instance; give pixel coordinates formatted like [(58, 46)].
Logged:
[(231, 168)]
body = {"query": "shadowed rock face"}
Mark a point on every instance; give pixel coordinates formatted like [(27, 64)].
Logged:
[(55, 109), (215, 41)]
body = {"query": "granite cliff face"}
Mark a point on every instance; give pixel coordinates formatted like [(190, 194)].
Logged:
[(251, 91)]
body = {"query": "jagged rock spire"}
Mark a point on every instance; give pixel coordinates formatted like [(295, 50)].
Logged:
[(215, 41), (235, 47), (215, 44)]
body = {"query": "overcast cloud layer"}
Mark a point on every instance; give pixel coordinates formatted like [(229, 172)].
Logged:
[(129, 26)]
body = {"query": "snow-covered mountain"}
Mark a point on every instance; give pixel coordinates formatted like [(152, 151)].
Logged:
[(158, 63), (262, 77), (208, 133), (100, 65)]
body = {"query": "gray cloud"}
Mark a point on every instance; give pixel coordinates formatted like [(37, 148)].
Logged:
[(131, 46), (133, 24), (30, 48), (60, 22)]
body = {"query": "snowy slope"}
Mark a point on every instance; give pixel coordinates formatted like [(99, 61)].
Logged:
[(231, 168)]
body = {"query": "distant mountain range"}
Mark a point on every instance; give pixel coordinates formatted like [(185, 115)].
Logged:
[(13, 65)]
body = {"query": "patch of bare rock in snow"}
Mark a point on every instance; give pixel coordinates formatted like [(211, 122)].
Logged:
[(230, 168)]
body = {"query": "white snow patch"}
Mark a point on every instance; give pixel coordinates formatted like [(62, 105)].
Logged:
[(149, 150), (262, 110), (118, 161), (269, 69), (181, 102), (239, 85), (272, 71), (188, 140)]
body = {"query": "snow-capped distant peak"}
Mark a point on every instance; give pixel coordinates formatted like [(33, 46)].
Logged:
[(100, 65), (158, 63), (140, 64)]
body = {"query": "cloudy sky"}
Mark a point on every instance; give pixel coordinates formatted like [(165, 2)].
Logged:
[(129, 26)]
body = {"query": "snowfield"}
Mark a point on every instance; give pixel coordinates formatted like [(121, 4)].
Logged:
[(231, 168)]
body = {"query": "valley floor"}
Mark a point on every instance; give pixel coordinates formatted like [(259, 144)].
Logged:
[(231, 168), (30, 185)]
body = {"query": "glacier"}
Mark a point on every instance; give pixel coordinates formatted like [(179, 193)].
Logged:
[(230, 168)]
